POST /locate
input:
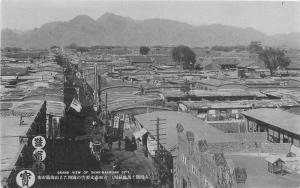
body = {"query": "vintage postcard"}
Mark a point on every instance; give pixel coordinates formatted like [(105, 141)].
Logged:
[(166, 94)]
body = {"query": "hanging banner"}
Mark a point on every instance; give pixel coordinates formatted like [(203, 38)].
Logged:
[(126, 123), (151, 145), (55, 127), (122, 117), (116, 121)]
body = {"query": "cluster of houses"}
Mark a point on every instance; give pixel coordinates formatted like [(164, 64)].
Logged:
[(228, 123), (226, 119)]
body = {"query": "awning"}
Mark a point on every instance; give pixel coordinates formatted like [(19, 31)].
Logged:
[(140, 133)]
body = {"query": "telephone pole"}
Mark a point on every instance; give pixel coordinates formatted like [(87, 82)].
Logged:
[(157, 136), (99, 87), (96, 106), (158, 157)]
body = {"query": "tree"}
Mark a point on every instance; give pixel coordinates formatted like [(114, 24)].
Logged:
[(144, 50), (255, 47), (185, 56), (274, 59)]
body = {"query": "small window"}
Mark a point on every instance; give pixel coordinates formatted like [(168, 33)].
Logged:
[(270, 132), (285, 138)]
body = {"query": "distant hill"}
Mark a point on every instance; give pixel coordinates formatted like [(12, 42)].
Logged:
[(111, 29)]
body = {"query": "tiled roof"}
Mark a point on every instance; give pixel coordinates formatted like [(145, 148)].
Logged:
[(141, 59), (278, 118), (201, 130)]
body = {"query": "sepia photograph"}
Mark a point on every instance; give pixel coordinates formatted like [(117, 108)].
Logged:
[(150, 94)]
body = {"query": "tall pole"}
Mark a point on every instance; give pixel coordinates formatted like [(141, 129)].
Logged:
[(95, 82), (157, 136), (159, 153), (157, 141), (106, 107), (95, 87), (99, 86)]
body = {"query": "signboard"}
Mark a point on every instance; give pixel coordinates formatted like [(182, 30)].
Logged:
[(116, 121), (38, 142), (39, 155), (25, 178)]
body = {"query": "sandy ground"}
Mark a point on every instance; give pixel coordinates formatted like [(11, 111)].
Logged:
[(258, 175)]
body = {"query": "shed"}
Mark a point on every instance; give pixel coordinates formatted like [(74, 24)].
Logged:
[(275, 164)]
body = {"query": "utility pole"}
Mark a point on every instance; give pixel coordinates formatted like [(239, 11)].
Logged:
[(96, 106), (106, 111), (158, 143), (157, 137), (99, 87)]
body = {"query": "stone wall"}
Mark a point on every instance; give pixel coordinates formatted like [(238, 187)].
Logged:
[(225, 147), (250, 142), (253, 147), (229, 126), (250, 137), (275, 148)]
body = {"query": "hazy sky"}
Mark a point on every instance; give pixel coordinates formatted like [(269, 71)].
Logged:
[(269, 17)]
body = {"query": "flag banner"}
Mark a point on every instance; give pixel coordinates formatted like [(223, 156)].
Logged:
[(56, 127), (151, 145), (76, 105)]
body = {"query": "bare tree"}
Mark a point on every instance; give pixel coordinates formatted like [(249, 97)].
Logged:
[(273, 59), (185, 56)]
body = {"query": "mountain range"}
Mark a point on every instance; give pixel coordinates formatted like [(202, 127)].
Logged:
[(111, 29)]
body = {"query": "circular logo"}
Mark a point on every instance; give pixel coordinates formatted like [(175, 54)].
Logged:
[(25, 178), (39, 155), (38, 167), (38, 142)]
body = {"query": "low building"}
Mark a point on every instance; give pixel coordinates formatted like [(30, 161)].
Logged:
[(219, 95), (263, 84), (13, 71), (281, 126), (142, 61), (163, 60), (224, 110), (283, 93), (227, 63), (215, 84)]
